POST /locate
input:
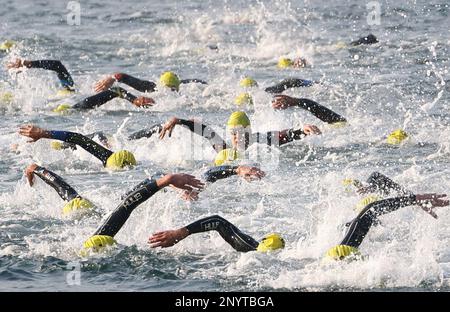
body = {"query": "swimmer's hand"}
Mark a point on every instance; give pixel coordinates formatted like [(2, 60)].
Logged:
[(104, 84), (311, 129), (429, 201), (283, 101), (29, 173), (16, 64), (168, 127), (167, 238), (190, 195), (143, 101), (250, 173), (300, 62), (181, 181), (33, 132)]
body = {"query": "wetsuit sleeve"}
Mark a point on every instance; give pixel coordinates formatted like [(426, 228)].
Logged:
[(360, 226), (382, 184), (287, 84), (219, 172), (138, 84), (277, 138), (102, 137), (230, 233), (103, 97), (56, 66), (194, 80), (145, 133), (86, 143), (120, 215), (64, 190), (370, 39), (319, 111), (216, 141)]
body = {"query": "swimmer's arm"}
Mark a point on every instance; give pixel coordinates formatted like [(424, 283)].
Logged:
[(146, 133), (194, 80), (64, 190), (198, 128), (290, 135), (319, 111), (53, 65), (138, 84), (221, 172), (289, 83), (380, 183)]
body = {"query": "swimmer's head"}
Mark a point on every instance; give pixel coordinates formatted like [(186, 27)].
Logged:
[(244, 99), (238, 119), (79, 206), (285, 62), (248, 82), (349, 183), (396, 137), (170, 80), (6, 97), (97, 243), (120, 160), (56, 145), (340, 252), (7, 45), (271, 241), (62, 108)]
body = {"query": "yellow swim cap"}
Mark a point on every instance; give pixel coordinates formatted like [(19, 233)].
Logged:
[(120, 159), (6, 97), (272, 241), (284, 62), (248, 82), (396, 137), (62, 108), (366, 201), (6, 45), (56, 145), (338, 124), (226, 156), (339, 252), (238, 119), (348, 182), (77, 205), (64, 92), (243, 99), (170, 79), (97, 243)]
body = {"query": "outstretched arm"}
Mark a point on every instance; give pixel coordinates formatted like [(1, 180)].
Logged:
[(146, 133), (92, 147), (138, 84), (230, 233), (289, 83), (193, 80), (319, 111), (53, 65), (221, 172), (198, 128), (277, 138), (101, 98), (64, 190), (382, 184), (140, 194)]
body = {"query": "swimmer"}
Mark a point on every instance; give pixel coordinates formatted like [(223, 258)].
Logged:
[(109, 159), (104, 235), (230, 233), (360, 226), (76, 205), (241, 135)]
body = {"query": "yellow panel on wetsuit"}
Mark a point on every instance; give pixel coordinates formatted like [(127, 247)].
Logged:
[(226, 156)]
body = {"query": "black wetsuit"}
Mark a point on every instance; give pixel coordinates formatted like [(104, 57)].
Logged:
[(360, 226), (120, 215), (379, 183), (230, 233), (64, 190), (56, 66), (370, 39), (287, 84), (84, 142), (219, 172), (102, 137)]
